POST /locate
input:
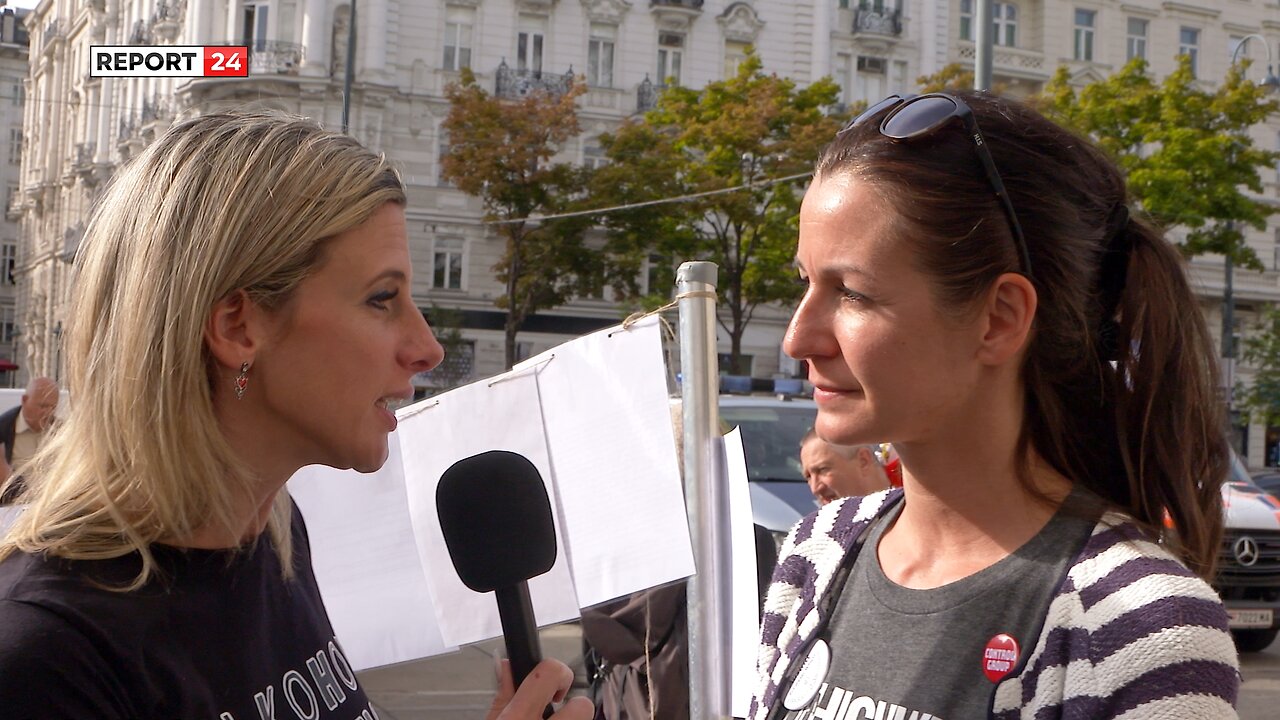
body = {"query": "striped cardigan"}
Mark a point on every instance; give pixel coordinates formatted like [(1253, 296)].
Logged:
[(1130, 633)]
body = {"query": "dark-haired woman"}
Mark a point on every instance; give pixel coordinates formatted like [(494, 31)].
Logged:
[(979, 294)]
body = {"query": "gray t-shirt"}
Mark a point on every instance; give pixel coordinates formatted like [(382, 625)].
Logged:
[(899, 653)]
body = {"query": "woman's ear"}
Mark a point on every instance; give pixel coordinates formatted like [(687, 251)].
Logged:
[(233, 330), (1008, 314)]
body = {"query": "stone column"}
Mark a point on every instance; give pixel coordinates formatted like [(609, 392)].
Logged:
[(371, 34), (316, 27)]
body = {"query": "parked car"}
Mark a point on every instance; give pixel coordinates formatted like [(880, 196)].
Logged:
[(1269, 481), (1248, 578), (771, 428)]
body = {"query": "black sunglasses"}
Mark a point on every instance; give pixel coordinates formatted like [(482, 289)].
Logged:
[(914, 116)]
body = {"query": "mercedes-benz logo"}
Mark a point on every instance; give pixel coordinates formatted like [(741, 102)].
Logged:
[(1246, 550)]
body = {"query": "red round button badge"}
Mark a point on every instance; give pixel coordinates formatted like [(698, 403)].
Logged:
[(999, 657)]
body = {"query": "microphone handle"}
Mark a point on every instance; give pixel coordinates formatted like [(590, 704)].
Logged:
[(520, 631)]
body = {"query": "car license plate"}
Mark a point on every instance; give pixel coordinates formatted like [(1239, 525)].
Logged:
[(1249, 618)]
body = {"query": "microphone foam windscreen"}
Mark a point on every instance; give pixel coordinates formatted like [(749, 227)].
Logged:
[(496, 519)]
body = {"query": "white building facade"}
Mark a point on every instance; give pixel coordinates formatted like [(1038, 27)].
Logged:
[(79, 129), (13, 72)]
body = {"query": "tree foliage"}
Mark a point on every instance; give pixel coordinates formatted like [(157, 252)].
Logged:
[(952, 77), (500, 151), (724, 148), (1261, 350), (1186, 150)]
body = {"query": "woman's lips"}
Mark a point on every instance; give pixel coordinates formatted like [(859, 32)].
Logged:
[(826, 394)]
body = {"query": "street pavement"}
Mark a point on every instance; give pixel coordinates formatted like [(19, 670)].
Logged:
[(459, 686)]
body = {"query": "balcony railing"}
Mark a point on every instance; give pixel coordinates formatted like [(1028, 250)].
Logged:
[(512, 84), (273, 57), (1009, 59), (53, 30), (879, 22)]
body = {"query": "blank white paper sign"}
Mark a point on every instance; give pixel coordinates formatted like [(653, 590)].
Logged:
[(746, 587), (366, 562), (498, 414), (608, 424)]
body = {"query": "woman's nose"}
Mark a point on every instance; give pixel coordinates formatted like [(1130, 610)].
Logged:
[(423, 352)]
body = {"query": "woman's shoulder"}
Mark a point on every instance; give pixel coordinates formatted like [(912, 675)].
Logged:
[(49, 668), (1144, 610)]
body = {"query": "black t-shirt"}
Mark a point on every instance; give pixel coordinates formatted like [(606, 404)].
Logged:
[(218, 635)]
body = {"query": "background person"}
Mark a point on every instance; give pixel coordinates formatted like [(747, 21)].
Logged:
[(836, 471), (1039, 362), (23, 430), (242, 308)]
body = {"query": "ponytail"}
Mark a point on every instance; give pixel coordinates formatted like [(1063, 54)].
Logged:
[(1171, 423)]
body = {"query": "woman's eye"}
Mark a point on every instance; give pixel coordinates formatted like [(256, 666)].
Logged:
[(852, 295), (381, 299)]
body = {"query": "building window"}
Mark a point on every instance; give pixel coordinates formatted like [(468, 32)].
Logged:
[(1005, 16), (870, 80), (1234, 46), (670, 53), (8, 326), (8, 262), (735, 53), (529, 42), (593, 155), (457, 38), (1189, 45), (600, 56), (446, 264), (1084, 34), (901, 80), (1136, 42), (1004, 23), (19, 94), (253, 24), (15, 146)]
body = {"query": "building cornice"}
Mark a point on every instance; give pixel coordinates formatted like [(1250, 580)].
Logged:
[(1140, 10), (1188, 9)]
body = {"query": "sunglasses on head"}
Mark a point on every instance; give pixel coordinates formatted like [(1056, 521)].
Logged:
[(915, 116)]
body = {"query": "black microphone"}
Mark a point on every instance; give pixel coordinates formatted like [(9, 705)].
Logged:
[(498, 527)]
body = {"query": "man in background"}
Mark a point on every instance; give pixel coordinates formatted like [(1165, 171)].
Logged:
[(22, 429), (836, 471)]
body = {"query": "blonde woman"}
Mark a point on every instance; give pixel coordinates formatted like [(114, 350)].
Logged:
[(242, 308)]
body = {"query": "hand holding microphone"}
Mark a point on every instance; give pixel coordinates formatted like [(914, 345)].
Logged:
[(497, 524)]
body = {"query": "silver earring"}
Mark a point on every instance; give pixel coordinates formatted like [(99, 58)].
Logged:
[(242, 380)]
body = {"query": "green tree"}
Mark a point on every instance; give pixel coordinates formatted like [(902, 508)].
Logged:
[(1262, 352), (952, 77), (726, 149), (500, 151), (1186, 150), (456, 368)]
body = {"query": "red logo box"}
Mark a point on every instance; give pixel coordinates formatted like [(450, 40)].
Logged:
[(226, 61)]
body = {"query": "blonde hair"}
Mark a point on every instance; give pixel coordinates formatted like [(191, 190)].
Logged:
[(219, 203)]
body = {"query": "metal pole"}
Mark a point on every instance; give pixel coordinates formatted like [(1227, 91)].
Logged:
[(983, 39), (351, 68), (706, 496)]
